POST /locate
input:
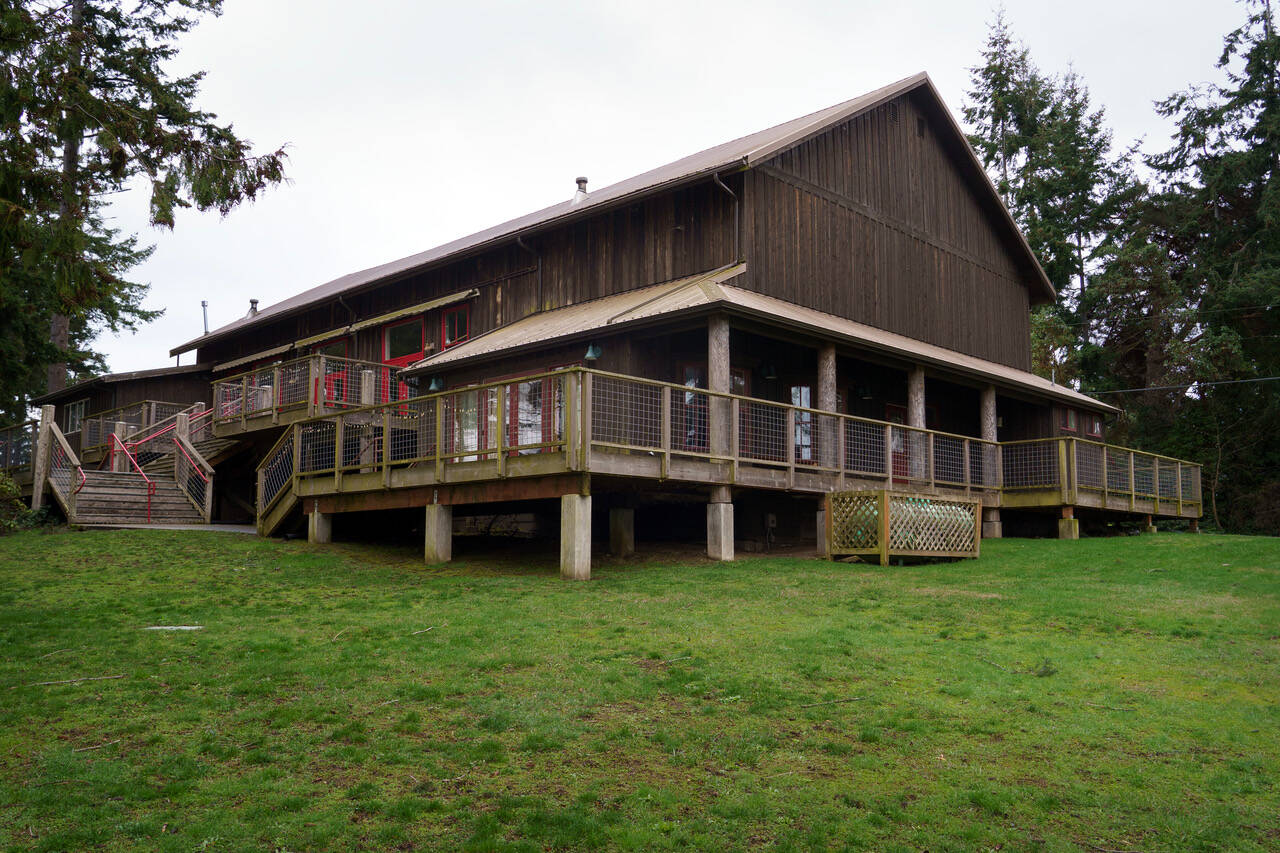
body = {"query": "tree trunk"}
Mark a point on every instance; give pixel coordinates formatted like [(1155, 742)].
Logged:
[(69, 208)]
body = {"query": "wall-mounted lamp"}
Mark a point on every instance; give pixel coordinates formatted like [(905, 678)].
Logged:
[(768, 371), (436, 384), (593, 352)]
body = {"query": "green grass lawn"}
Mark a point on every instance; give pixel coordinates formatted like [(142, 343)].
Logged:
[(1105, 695)]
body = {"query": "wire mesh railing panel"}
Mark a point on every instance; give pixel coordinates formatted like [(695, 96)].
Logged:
[(295, 384), (1191, 483), (190, 478), (1032, 464), (61, 470), (228, 400), (690, 422), (864, 447), (411, 431), (1167, 480), (948, 459), (1144, 475), (1117, 469), (1089, 462), (277, 471), (17, 443), (340, 384), (762, 430), (984, 463), (909, 453), (361, 439), (316, 446), (470, 424), (824, 439), (534, 415), (622, 412)]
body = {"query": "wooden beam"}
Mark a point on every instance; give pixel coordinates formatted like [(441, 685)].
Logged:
[(495, 491)]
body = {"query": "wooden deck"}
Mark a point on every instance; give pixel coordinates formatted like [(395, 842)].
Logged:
[(481, 444)]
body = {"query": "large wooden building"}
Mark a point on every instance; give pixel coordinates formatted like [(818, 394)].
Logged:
[(840, 300)]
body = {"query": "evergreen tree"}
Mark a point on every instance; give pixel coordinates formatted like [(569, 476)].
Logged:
[(87, 110)]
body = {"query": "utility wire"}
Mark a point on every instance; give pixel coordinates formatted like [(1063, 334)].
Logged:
[(1186, 385)]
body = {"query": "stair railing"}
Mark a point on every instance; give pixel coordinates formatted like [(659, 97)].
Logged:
[(155, 433), (117, 444), (194, 476), (64, 472)]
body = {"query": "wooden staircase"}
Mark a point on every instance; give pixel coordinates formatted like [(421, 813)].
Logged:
[(108, 498), (160, 468)]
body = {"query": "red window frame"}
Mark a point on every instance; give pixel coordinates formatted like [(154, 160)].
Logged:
[(1069, 421), (384, 381), (1093, 425), (335, 383), (465, 311)]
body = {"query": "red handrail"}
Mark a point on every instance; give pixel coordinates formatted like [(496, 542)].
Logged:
[(183, 451), (151, 487)]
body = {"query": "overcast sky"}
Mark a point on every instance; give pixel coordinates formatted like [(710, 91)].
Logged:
[(410, 124)]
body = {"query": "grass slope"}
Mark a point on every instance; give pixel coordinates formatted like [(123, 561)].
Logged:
[(1117, 694)]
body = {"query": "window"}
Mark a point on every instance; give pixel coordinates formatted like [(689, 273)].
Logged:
[(74, 414), (1067, 420), (338, 348), (403, 343), (1093, 425), (455, 326), (802, 396)]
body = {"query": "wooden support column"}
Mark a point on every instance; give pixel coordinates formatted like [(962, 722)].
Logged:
[(992, 528), (40, 457), (916, 449), (119, 462), (1149, 525), (319, 527), (720, 525), (1068, 525), (827, 402), (438, 533), (622, 531), (718, 380), (575, 537)]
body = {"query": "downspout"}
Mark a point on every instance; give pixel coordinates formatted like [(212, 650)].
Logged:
[(737, 229), (537, 257)]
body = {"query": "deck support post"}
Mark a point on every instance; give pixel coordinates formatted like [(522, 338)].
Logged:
[(438, 533), (916, 448), (575, 537), (320, 527), (828, 402), (1148, 525), (40, 459), (622, 531), (992, 527), (119, 464), (1194, 527), (1068, 525), (720, 524), (718, 381), (822, 528)]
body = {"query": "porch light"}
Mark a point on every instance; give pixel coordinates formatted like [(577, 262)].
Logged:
[(593, 352), (436, 384)]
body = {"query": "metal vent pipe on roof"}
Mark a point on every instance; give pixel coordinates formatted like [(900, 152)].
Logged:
[(253, 307), (581, 194)]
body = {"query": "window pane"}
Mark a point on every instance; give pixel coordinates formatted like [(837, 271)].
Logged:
[(334, 348), (456, 326), (405, 339)]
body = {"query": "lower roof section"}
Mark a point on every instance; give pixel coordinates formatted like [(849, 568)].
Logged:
[(711, 291)]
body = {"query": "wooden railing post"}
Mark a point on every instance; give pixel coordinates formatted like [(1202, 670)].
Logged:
[(790, 445), (275, 395), (1155, 483), (1064, 486), (968, 473), (586, 421), (735, 451), (1106, 486), (386, 448), (664, 409), (339, 438), (839, 424), (439, 438), (1178, 474), (1133, 488), (888, 456)]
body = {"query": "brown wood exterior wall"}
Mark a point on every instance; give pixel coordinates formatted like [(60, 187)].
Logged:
[(669, 236), (874, 220)]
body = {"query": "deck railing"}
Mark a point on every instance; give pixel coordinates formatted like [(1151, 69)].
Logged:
[(96, 429), (591, 415), (1072, 465), (194, 475), (315, 384), (17, 444), (155, 440)]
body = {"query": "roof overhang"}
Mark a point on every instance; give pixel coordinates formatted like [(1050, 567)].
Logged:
[(710, 292), (85, 385)]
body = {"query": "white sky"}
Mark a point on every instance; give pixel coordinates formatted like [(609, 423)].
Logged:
[(412, 123)]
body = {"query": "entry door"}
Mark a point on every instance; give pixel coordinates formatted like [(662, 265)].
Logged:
[(535, 412)]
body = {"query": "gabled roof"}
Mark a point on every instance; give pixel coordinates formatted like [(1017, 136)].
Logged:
[(700, 294), (741, 153)]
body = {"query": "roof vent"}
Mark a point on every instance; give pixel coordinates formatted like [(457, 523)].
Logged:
[(581, 195), (253, 308)]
